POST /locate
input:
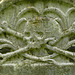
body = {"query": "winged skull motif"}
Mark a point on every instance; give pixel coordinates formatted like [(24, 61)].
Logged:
[(35, 39)]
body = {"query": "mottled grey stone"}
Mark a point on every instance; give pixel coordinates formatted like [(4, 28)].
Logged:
[(37, 37)]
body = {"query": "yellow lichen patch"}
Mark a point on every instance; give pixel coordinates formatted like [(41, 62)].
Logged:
[(37, 18), (28, 7), (36, 21)]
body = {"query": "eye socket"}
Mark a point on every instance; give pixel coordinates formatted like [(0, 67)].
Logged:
[(27, 34), (39, 34)]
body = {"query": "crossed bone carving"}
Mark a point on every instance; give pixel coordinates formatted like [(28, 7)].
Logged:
[(25, 49)]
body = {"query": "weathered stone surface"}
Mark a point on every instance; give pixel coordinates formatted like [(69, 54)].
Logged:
[(37, 37)]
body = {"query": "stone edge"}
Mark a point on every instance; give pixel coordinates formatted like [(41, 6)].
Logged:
[(5, 3)]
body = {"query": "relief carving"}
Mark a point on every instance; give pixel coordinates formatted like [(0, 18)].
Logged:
[(37, 35)]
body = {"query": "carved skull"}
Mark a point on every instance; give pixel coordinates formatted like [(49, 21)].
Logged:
[(38, 29)]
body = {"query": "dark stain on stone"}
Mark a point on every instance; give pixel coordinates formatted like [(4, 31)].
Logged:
[(5, 50), (71, 49)]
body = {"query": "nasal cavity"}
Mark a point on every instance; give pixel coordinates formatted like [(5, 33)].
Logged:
[(27, 34), (32, 40)]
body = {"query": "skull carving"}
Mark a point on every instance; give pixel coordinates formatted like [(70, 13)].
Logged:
[(38, 29), (42, 33)]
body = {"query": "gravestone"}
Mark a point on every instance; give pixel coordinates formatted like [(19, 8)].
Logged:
[(37, 37)]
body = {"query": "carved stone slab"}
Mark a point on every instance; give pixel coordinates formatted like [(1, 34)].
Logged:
[(37, 37)]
